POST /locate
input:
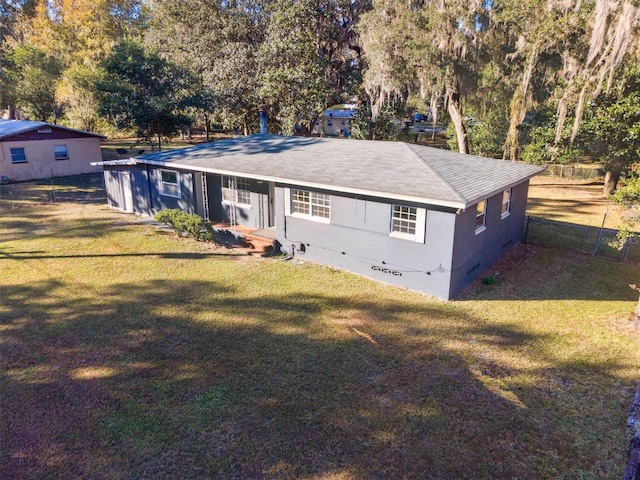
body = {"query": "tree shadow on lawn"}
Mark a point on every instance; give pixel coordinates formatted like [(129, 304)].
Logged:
[(27, 222), (169, 379), (531, 272)]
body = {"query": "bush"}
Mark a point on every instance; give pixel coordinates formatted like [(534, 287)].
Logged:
[(490, 280), (185, 223)]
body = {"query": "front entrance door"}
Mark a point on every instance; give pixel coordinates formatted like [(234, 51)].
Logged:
[(125, 188)]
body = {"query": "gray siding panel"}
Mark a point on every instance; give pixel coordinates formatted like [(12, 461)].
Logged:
[(160, 202), (358, 240), (474, 253), (256, 215)]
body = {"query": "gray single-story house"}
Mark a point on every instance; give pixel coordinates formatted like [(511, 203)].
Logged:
[(422, 218), (36, 150)]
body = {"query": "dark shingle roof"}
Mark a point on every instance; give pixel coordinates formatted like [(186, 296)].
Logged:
[(9, 128), (386, 169)]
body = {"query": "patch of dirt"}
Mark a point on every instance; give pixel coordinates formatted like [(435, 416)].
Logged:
[(517, 256)]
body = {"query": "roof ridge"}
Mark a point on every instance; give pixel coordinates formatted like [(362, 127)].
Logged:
[(426, 163)]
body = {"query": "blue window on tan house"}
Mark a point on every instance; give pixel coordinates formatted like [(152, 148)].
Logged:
[(18, 155), (170, 184), (60, 152), (314, 205), (408, 222)]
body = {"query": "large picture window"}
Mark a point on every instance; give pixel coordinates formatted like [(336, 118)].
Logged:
[(60, 152), (170, 183), (408, 222), (481, 216), (236, 190), (18, 155), (312, 204)]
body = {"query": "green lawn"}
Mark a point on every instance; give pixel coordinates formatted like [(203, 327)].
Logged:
[(129, 353)]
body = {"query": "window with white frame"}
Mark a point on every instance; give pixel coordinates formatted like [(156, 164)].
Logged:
[(403, 219), (506, 203), (481, 216), (313, 204), (170, 183), (408, 222), (18, 155), (236, 190), (60, 152)]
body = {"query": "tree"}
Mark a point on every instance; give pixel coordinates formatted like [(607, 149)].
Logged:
[(433, 48), (363, 127), (297, 57), (310, 58), (612, 126), (141, 90), (79, 34), (219, 42), (34, 77), (293, 65)]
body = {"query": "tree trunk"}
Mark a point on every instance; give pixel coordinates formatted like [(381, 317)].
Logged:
[(207, 127), (453, 107), (519, 108), (159, 142), (611, 177), (632, 469)]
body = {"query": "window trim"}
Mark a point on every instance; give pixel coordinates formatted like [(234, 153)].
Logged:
[(309, 216), (420, 224), (66, 151), (233, 191), (483, 226), (176, 185), (23, 154), (505, 213)]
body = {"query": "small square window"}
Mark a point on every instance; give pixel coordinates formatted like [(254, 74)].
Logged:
[(408, 222), (60, 152), (169, 185), (481, 216), (404, 219), (18, 155)]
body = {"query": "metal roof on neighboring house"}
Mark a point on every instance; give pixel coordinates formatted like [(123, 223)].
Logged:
[(8, 128), (347, 113), (396, 170)]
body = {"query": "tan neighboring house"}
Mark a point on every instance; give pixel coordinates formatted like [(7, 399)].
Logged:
[(36, 150)]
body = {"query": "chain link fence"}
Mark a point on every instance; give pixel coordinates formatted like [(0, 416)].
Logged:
[(589, 240), (90, 188), (573, 172), (77, 188)]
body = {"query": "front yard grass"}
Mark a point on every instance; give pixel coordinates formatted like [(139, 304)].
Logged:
[(130, 353)]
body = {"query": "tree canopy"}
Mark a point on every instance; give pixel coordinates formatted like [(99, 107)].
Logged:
[(518, 79)]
